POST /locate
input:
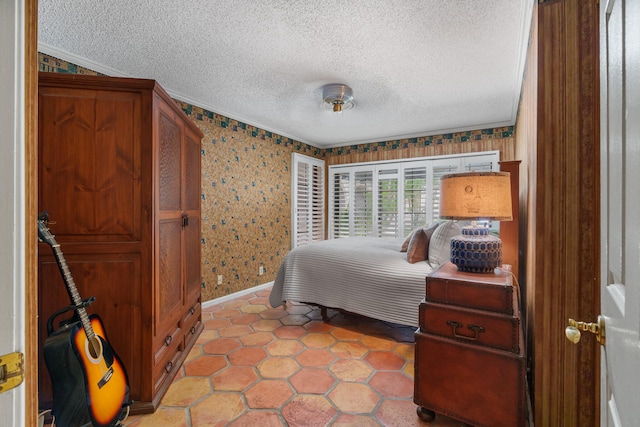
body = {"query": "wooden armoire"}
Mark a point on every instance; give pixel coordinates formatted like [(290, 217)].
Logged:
[(119, 175)]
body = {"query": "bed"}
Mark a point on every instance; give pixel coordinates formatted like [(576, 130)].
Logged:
[(372, 276), (369, 276)]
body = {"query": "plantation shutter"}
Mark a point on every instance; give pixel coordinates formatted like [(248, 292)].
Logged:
[(392, 198), (438, 172), (317, 203), (363, 203), (415, 199), (340, 198), (387, 203), (308, 200)]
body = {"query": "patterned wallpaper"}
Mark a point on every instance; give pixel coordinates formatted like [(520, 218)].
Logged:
[(246, 187)]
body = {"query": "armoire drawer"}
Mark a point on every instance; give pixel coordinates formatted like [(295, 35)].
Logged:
[(192, 324), (166, 367), (167, 343)]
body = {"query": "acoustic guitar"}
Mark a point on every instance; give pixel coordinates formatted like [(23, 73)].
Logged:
[(104, 377)]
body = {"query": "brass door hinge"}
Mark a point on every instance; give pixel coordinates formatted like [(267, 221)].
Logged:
[(11, 371)]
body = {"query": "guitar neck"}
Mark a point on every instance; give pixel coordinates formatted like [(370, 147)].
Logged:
[(73, 290)]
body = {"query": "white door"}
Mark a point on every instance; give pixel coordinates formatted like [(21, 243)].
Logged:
[(620, 220), (12, 251)]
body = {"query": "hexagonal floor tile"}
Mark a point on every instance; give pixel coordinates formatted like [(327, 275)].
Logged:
[(354, 397), (247, 356), (349, 350), (261, 418), (217, 409), (284, 348), (312, 381), (205, 365), (266, 325), (257, 338), (384, 360), (234, 378), (351, 370), (392, 385), (268, 394), (278, 367), (290, 332), (185, 391), (316, 340), (315, 357), (308, 410), (221, 346)]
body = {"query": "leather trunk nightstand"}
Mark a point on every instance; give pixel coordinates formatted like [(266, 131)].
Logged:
[(469, 352)]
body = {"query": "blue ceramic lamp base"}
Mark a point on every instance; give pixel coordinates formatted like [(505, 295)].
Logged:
[(476, 251)]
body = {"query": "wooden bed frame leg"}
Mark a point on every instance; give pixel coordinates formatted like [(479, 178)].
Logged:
[(323, 313), (425, 414)]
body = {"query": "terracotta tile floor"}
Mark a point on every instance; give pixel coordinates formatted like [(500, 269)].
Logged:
[(254, 365)]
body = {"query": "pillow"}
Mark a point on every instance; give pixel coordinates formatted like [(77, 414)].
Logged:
[(440, 245), (405, 244), (418, 248)]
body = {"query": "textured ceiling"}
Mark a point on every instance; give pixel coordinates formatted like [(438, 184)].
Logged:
[(416, 67)]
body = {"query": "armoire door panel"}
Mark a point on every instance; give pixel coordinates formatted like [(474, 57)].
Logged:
[(192, 256), (192, 173), (116, 304), (170, 267), (170, 162), (91, 149)]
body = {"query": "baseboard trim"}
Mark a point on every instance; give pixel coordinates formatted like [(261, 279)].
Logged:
[(234, 295)]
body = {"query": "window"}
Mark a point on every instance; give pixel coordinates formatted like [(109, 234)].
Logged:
[(389, 199), (308, 200)]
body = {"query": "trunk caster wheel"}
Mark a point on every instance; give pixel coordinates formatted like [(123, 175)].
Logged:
[(425, 414)]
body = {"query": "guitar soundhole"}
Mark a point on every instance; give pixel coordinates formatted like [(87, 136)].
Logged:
[(94, 348)]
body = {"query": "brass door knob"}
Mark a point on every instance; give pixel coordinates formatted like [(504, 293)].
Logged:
[(573, 330)]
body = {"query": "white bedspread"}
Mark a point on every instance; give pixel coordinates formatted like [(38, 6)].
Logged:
[(364, 275)]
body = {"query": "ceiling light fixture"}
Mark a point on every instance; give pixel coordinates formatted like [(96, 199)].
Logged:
[(338, 97)]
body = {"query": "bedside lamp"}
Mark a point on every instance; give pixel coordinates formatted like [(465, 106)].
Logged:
[(476, 196)]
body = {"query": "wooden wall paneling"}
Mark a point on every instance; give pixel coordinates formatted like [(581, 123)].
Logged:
[(511, 244), (506, 146), (526, 137), (567, 205)]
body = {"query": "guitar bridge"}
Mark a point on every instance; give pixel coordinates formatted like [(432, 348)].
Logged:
[(106, 377)]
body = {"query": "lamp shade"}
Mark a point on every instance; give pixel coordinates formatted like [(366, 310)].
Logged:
[(476, 195)]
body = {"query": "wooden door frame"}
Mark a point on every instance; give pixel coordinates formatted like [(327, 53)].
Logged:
[(31, 209), (566, 270)]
